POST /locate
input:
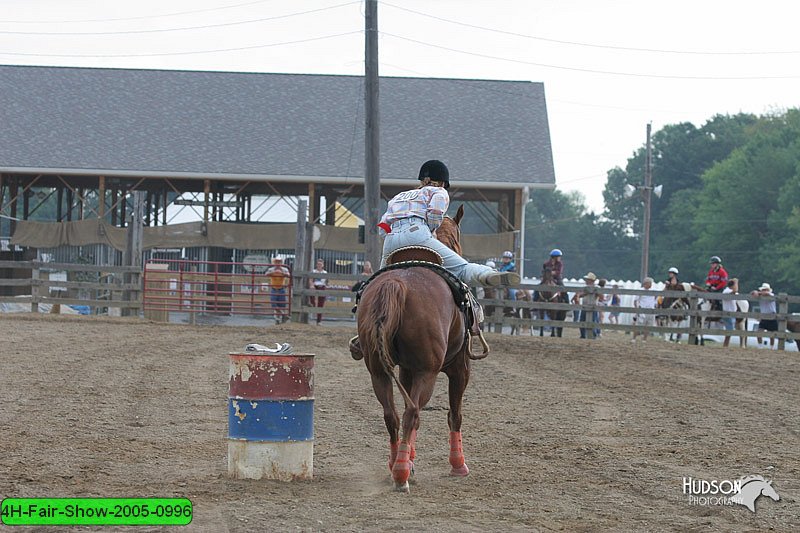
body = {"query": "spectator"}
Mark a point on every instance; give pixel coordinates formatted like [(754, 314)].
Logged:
[(319, 284), (367, 269), (586, 297), (613, 316), (729, 306), (278, 281), (602, 301), (555, 265), (645, 301), (766, 306)]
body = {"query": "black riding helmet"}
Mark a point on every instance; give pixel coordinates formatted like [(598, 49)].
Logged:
[(436, 171)]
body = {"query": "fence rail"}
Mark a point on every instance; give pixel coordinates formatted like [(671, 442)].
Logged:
[(114, 287)]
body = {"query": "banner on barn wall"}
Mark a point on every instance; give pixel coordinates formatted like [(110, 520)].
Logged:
[(223, 235)]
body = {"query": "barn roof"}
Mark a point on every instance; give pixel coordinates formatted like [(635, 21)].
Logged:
[(287, 127)]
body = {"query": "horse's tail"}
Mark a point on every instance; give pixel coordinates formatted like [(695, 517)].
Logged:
[(379, 331)]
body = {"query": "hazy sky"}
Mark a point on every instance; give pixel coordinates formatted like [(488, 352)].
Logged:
[(608, 67)]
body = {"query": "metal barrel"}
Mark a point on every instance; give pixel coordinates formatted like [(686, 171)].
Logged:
[(271, 416)]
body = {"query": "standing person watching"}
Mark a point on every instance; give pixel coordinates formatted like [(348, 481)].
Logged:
[(319, 284), (766, 306), (645, 301), (729, 306), (278, 276)]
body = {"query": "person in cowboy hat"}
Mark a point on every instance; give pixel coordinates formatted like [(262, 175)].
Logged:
[(412, 217), (767, 306), (587, 298)]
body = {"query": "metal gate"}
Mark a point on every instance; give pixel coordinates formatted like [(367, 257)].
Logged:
[(178, 285)]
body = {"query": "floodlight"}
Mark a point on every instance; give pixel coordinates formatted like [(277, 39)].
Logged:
[(629, 190)]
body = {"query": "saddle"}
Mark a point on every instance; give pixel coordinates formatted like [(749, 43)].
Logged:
[(418, 256)]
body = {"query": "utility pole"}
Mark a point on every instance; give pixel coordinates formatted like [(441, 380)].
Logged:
[(646, 191), (372, 180)]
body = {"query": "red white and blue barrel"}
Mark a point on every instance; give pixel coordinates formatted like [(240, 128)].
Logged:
[(271, 416)]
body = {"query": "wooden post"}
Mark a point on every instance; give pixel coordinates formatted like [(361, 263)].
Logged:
[(693, 325), (101, 196), (35, 288), (206, 192), (133, 250), (300, 260), (783, 310)]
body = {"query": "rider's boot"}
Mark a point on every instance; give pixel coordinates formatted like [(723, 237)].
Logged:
[(496, 279)]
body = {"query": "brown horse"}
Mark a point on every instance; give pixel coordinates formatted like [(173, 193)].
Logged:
[(408, 318), (674, 303), (551, 297)]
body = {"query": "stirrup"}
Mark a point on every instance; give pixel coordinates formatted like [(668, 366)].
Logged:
[(355, 349)]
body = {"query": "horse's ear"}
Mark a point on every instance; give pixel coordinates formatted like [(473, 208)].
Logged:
[(459, 214)]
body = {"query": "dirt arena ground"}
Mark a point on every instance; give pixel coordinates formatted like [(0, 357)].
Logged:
[(560, 434)]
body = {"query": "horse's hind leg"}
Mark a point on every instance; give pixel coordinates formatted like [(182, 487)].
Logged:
[(382, 385), (458, 375), (420, 394)]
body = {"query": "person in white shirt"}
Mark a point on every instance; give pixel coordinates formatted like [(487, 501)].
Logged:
[(767, 306), (319, 283), (645, 301), (729, 306)]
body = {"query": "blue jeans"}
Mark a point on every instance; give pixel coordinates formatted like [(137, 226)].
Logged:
[(415, 232), (595, 318)]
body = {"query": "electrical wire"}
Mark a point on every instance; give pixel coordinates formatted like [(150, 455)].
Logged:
[(186, 28), (592, 45), (179, 13), (586, 70), (190, 52)]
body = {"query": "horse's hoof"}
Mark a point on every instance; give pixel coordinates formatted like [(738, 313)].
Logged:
[(402, 487), (460, 471)]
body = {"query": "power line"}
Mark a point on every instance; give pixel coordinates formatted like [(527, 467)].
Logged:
[(592, 45), (590, 71), (186, 28), (134, 18), (212, 51)]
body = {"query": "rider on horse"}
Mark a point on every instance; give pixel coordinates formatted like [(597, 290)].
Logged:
[(412, 217), (717, 280), (555, 265), (672, 279)]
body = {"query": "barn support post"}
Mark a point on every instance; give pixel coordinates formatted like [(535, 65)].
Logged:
[(206, 192), (300, 254), (783, 310), (101, 197), (12, 192)]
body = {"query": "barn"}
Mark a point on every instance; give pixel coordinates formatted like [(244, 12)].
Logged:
[(220, 156)]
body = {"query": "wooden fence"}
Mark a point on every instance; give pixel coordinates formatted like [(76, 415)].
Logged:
[(694, 326), (113, 287), (104, 286)]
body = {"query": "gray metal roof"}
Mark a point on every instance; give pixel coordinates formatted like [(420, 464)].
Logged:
[(270, 126)]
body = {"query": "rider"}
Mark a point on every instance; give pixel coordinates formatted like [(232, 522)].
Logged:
[(412, 217), (555, 265), (507, 265), (717, 278), (672, 277)]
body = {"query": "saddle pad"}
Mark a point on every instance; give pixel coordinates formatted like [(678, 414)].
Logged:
[(414, 253)]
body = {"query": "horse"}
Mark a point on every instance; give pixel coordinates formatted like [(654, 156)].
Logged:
[(551, 296), (525, 313), (751, 488), (673, 303), (408, 318), (740, 323)]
